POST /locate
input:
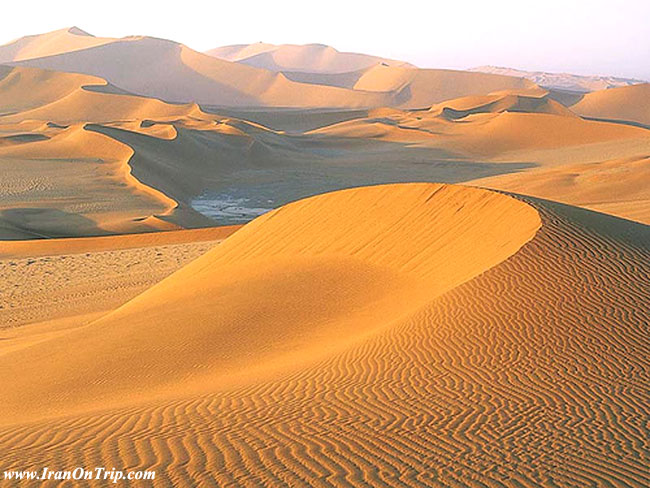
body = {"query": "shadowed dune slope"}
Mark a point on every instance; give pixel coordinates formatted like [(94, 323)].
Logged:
[(295, 285), (628, 103), (532, 374)]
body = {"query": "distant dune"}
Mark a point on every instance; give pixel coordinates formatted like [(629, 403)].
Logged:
[(422, 88), (175, 73), (562, 81), (312, 58), (49, 44), (371, 336), (629, 103)]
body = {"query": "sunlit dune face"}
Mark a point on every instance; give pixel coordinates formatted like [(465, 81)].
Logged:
[(292, 287)]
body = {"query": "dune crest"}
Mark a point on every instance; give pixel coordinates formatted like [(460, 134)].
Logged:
[(49, 44), (292, 287)]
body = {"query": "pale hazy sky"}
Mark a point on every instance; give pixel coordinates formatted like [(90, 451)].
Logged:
[(580, 36)]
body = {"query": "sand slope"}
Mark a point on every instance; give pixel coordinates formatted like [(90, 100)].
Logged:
[(170, 71), (173, 72), (618, 187), (313, 58), (596, 164), (320, 280), (419, 88), (630, 103), (49, 44), (542, 357)]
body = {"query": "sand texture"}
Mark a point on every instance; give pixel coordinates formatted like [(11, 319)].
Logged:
[(533, 342), (286, 265)]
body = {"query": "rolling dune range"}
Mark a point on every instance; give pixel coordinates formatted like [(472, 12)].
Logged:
[(406, 333), (533, 373), (143, 163)]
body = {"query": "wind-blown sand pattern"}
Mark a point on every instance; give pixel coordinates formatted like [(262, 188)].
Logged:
[(365, 326), (522, 360)]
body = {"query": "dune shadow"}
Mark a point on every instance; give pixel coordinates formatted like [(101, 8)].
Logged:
[(233, 179), (44, 223)]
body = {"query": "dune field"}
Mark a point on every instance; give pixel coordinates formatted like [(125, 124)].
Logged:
[(288, 265)]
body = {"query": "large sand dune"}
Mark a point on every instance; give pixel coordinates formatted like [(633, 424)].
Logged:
[(173, 72), (170, 71), (49, 44), (479, 320), (312, 58)]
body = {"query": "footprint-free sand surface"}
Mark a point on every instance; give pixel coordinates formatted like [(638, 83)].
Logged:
[(443, 277), (364, 337)]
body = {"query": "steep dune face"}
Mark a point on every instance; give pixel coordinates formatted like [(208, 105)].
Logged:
[(629, 103), (328, 272), (311, 58), (542, 357)]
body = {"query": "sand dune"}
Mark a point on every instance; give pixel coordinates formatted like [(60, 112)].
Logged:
[(416, 88), (562, 81), (175, 73), (66, 98), (338, 278), (41, 196), (143, 162), (526, 101), (49, 44), (619, 187), (494, 349), (630, 103), (419, 334), (311, 58), (487, 126), (170, 71)]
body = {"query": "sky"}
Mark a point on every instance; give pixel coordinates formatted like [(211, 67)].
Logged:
[(607, 37)]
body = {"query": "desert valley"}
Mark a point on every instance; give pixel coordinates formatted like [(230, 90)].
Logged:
[(287, 265)]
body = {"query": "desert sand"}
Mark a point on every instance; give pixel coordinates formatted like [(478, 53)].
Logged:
[(309, 58), (285, 265), (407, 349)]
